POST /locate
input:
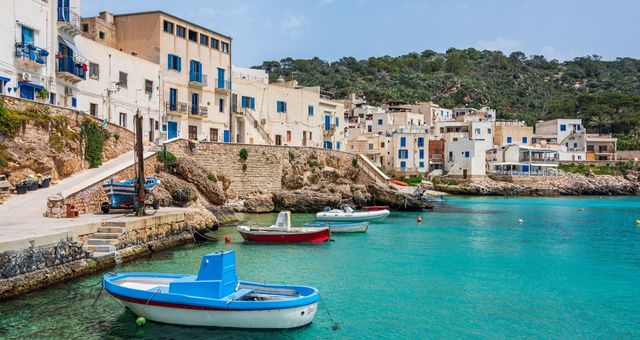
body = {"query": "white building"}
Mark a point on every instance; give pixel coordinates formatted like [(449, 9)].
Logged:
[(465, 158), (522, 160), (408, 151), (566, 136)]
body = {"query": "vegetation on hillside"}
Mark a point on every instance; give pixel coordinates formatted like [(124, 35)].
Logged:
[(605, 94)]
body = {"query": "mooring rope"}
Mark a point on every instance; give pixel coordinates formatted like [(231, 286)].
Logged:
[(336, 325), (193, 231), (152, 295)]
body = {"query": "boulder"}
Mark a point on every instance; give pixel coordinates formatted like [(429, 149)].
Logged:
[(382, 195), (259, 204), (304, 200), (198, 176)]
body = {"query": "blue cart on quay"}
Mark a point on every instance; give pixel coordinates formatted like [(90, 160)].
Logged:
[(123, 195)]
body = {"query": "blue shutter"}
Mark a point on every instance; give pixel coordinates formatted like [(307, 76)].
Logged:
[(337, 122), (253, 103), (220, 78), (227, 136), (170, 61), (179, 60), (74, 102), (243, 101), (403, 141), (421, 154), (337, 145)]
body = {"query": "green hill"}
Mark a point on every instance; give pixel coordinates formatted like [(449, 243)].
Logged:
[(605, 94)]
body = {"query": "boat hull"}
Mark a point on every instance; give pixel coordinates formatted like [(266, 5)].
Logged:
[(201, 316), (301, 236), (341, 227), (353, 217)]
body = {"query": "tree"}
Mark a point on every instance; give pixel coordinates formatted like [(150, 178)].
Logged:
[(600, 121)]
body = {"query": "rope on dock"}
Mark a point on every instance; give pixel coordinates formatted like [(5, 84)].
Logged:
[(336, 325), (195, 232)]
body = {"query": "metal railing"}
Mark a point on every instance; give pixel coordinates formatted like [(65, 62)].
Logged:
[(30, 52), (176, 107), (65, 14), (223, 84), (198, 110), (68, 65), (198, 77)]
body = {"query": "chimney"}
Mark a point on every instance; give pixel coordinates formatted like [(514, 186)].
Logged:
[(106, 16)]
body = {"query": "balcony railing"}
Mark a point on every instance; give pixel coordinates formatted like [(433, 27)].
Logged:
[(68, 65), (176, 107), (70, 19), (30, 53), (223, 84), (539, 159), (198, 110), (198, 78)]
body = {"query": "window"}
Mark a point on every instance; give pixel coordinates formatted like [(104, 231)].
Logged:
[(220, 105), (278, 140), (563, 127), (123, 119), (93, 109), (380, 121), (403, 141), (181, 31), (489, 131), (168, 27), (578, 127), (204, 40), (338, 145), (101, 35), (123, 79), (450, 155), (213, 135), (466, 154), (421, 141), (174, 62), (421, 154), (224, 47), (524, 140), (3, 83), (148, 87), (214, 43), (382, 144), (288, 136), (94, 71), (74, 102), (193, 35), (85, 28), (370, 146), (193, 132), (337, 121), (421, 165), (403, 154), (52, 97), (310, 110), (477, 131), (281, 107), (575, 145), (509, 140), (249, 102), (403, 164)]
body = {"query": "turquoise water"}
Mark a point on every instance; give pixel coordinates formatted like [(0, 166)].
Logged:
[(570, 269)]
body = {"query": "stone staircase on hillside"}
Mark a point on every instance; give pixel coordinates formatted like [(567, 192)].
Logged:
[(104, 243)]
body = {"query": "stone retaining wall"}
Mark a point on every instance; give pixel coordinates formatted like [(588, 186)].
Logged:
[(263, 170), (628, 155)]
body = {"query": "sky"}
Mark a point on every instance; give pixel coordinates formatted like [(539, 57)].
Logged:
[(332, 29)]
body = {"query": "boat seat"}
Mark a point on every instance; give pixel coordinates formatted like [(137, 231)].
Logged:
[(237, 295)]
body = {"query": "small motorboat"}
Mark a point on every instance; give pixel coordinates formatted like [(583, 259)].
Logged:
[(348, 214), (375, 207), (341, 227), (281, 232), (213, 298), (434, 199)]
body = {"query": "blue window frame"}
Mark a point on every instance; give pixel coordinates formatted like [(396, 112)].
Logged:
[(421, 154), (421, 165), (221, 78), (466, 154), (195, 71), (578, 127), (174, 62), (338, 145), (450, 155), (509, 140), (380, 121), (524, 140), (220, 105), (563, 127), (74, 102), (403, 164), (248, 102), (3, 83), (327, 145), (164, 127), (403, 141), (327, 122), (420, 141), (173, 99), (281, 106), (337, 121), (403, 154), (310, 110)]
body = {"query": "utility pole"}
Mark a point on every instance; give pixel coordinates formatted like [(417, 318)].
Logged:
[(140, 158)]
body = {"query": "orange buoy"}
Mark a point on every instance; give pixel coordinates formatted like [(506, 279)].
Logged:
[(227, 239), (419, 219)]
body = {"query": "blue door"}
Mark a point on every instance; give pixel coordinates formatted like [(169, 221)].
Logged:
[(194, 103), (173, 130), (173, 99), (27, 92), (227, 136), (63, 10), (327, 122), (525, 168), (328, 145), (220, 78)]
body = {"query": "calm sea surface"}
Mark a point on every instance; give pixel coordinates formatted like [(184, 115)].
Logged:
[(475, 267)]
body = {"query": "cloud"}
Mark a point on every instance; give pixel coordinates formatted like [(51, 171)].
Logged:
[(292, 23), (499, 43)]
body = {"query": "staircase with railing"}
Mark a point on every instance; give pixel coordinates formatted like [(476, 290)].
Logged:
[(246, 113), (368, 167)]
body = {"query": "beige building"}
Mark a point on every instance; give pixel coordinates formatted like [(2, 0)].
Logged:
[(512, 132), (601, 147), (195, 68), (285, 113)]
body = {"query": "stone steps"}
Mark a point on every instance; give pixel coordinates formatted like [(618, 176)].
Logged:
[(99, 249), (108, 230), (101, 242), (103, 255), (106, 235)]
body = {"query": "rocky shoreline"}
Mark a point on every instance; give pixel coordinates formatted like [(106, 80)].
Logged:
[(565, 184)]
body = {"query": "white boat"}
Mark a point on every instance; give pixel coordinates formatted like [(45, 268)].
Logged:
[(348, 214), (341, 227)]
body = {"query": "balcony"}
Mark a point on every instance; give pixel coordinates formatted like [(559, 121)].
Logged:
[(69, 70), (223, 87), (69, 21), (31, 55), (198, 111), (197, 79), (176, 108)]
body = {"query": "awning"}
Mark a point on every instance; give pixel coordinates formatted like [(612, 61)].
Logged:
[(34, 86), (68, 40), (5, 79)]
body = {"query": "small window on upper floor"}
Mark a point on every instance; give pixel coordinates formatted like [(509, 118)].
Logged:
[(193, 35), (101, 35), (148, 86), (224, 47), (168, 27), (214, 43), (204, 40), (94, 71), (122, 79), (181, 31), (85, 27)]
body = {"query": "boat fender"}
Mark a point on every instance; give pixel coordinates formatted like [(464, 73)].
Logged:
[(520, 221), (419, 219), (638, 222), (227, 239), (140, 321)]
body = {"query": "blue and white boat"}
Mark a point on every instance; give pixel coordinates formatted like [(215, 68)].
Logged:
[(215, 297), (341, 227), (349, 215)]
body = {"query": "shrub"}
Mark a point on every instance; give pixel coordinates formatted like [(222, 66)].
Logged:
[(415, 180), (212, 177), (116, 136), (166, 157), (244, 154), (291, 156), (313, 164), (94, 136), (354, 162), (244, 167)]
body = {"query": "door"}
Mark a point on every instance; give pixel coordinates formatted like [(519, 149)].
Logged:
[(525, 168), (220, 78), (27, 92), (151, 137), (27, 36), (173, 99), (193, 132), (278, 140), (464, 173), (63, 10), (327, 122), (172, 130), (227, 136), (304, 138), (194, 103)]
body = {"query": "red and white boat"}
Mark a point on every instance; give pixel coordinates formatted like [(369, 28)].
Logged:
[(282, 232), (376, 207)]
